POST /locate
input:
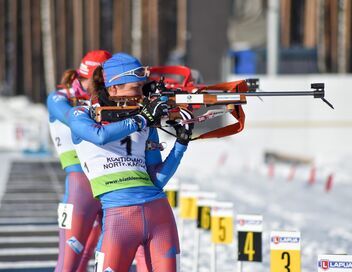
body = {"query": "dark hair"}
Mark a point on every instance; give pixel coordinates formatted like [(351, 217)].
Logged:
[(97, 88), (67, 78), (97, 82)]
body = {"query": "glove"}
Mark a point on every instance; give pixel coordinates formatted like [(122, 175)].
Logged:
[(152, 111), (184, 132)]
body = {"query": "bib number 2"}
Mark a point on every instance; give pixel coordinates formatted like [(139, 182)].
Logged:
[(65, 215), (58, 141)]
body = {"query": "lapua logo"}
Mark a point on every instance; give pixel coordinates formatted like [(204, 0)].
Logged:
[(324, 264)]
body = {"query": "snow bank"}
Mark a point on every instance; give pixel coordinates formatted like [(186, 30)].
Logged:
[(23, 125)]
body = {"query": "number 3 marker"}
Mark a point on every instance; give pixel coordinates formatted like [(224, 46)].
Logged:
[(285, 251)]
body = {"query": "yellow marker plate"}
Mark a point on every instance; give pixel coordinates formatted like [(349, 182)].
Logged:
[(285, 260), (188, 207), (222, 223), (221, 230), (172, 197), (285, 251)]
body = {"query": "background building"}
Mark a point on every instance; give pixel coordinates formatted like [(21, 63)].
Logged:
[(39, 39)]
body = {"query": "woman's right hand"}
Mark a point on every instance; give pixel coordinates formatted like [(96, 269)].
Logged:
[(152, 111)]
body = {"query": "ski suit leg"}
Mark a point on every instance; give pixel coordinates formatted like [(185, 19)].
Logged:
[(126, 228), (85, 210), (91, 243), (162, 248), (122, 234)]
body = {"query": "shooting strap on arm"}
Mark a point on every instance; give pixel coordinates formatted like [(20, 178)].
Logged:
[(237, 112), (228, 130)]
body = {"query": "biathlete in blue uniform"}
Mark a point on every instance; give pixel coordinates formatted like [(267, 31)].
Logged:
[(126, 176), (78, 230)]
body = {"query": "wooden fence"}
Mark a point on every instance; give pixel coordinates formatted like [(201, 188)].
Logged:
[(39, 39)]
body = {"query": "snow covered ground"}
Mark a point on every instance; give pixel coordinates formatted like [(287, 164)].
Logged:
[(23, 125), (323, 218)]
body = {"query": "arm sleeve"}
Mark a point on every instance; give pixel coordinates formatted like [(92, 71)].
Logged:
[(161, 171), (58, 106), (84, 127)]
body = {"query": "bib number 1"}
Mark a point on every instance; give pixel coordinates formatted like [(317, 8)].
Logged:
[(128, 143)]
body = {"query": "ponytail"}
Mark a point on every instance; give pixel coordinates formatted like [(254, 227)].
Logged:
[(67, 78), (97, 82)]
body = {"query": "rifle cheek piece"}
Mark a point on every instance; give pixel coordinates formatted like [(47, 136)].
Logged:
[(113, 114)]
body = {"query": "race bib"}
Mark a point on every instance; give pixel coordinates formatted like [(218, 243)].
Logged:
[(65, 215), (99, 261)]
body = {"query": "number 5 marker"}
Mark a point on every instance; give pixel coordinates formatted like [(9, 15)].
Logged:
[(222, 223)]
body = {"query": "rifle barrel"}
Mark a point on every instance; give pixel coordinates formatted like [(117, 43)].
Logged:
[(316, 94)]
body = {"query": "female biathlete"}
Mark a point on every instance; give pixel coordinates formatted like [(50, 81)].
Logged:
[(78, 230), (126, 174)]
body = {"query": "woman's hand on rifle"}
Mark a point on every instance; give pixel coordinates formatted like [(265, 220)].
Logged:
[(184, 132), (152, 111)]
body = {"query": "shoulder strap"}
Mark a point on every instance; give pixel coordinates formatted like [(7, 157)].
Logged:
[(237, 112)]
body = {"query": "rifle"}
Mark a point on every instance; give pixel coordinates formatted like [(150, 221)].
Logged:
[(230, 95)]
